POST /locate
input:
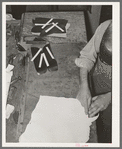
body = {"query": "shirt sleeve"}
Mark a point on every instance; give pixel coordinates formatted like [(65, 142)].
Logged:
[(89, 53)]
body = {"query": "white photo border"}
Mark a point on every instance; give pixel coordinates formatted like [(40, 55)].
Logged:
[(115, 74)]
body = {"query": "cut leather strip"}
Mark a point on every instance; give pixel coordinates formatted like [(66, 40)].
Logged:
[(53, 66), (38, 30), (36, 61), (43, 56), (42, 21)]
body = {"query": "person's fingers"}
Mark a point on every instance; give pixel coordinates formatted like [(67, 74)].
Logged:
[(93, 104), (94, 98), (93, 109), (95, 112), (89, 102)]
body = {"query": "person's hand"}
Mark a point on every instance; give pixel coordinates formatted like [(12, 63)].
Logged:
[(84, 96), (99, 103)]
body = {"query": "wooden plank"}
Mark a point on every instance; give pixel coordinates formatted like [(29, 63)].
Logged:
[(23, 103)]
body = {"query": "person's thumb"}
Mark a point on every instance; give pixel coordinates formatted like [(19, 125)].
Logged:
[(94, 98)]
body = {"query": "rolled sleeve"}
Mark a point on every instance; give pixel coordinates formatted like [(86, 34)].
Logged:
[(89, 53)]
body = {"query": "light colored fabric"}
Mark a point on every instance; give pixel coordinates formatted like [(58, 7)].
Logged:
[(9, 17), (89, 53), (57, 120), (9, 74), (9, 110)]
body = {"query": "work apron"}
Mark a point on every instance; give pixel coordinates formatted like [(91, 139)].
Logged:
[(100, 82)]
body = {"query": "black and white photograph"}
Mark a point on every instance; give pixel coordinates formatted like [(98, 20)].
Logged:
[(60, 69)]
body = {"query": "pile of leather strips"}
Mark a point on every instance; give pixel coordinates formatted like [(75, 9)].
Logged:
[(42, 55), (43, 58), (48, 26)]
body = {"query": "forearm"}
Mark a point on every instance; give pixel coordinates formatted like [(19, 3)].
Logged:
[(89, 53), (83, 75), (84, 95)]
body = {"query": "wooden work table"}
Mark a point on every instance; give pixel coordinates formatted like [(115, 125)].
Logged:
[(61, 83)]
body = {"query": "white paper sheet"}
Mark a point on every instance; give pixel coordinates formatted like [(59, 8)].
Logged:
[(9, 110), (57, 120), (9, 74)]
